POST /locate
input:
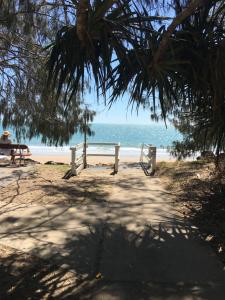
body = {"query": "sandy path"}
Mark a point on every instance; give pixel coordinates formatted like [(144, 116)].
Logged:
[(129, 233), (9, 175)]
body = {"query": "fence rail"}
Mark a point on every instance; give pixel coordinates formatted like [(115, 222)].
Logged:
[(102, 144), (78, 160), (79, 163), (100, 154), (77, 147)]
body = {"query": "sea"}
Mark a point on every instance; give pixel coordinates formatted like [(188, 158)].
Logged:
[(130, 137)]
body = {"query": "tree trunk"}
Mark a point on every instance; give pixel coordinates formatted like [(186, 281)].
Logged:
[(82, 16), (82, 19)]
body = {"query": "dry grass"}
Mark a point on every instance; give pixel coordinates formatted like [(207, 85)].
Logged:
[(44, 185), (200, 196)]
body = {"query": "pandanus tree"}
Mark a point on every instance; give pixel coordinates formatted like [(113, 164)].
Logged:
[(175, 63), (103, 33)]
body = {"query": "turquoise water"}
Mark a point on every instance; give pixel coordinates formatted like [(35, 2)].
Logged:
[(128, 135), (134, 135)]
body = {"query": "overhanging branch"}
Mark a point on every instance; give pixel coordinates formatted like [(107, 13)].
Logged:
[(184, 14)]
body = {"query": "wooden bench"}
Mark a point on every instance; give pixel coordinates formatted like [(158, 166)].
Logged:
[(19, 150)]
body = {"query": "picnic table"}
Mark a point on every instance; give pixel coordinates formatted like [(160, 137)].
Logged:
[(16, 150)]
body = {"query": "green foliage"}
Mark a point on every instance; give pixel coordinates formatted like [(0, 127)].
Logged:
[(118, 50), (114, 44), (26, 28), (111, 29)]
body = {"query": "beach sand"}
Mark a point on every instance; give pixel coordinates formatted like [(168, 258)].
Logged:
[(95, 235), (92, 160)]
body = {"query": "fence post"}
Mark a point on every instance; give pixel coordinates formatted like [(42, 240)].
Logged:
[(153, 156), (149, 156), (73, 159), (117, 158), (142, 149), (85, 154)]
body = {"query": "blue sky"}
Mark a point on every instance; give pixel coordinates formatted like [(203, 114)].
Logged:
[(119, 113)]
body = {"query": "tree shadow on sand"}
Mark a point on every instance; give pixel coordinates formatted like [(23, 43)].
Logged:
[(110, 262), (101, 256), (205, 207), (200, 196)]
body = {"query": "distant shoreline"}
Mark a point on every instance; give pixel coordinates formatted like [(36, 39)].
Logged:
[(65, 151), (129, 135)]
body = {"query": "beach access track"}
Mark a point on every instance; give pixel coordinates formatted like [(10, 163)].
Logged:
[(125, 241)]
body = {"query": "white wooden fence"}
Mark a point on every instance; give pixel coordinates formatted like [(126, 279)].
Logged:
[(79, 160), (148, 155)]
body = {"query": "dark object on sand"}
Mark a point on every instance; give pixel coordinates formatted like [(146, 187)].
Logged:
[(50, 162)]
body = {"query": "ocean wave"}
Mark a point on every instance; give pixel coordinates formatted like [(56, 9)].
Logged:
[(65, 150)]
